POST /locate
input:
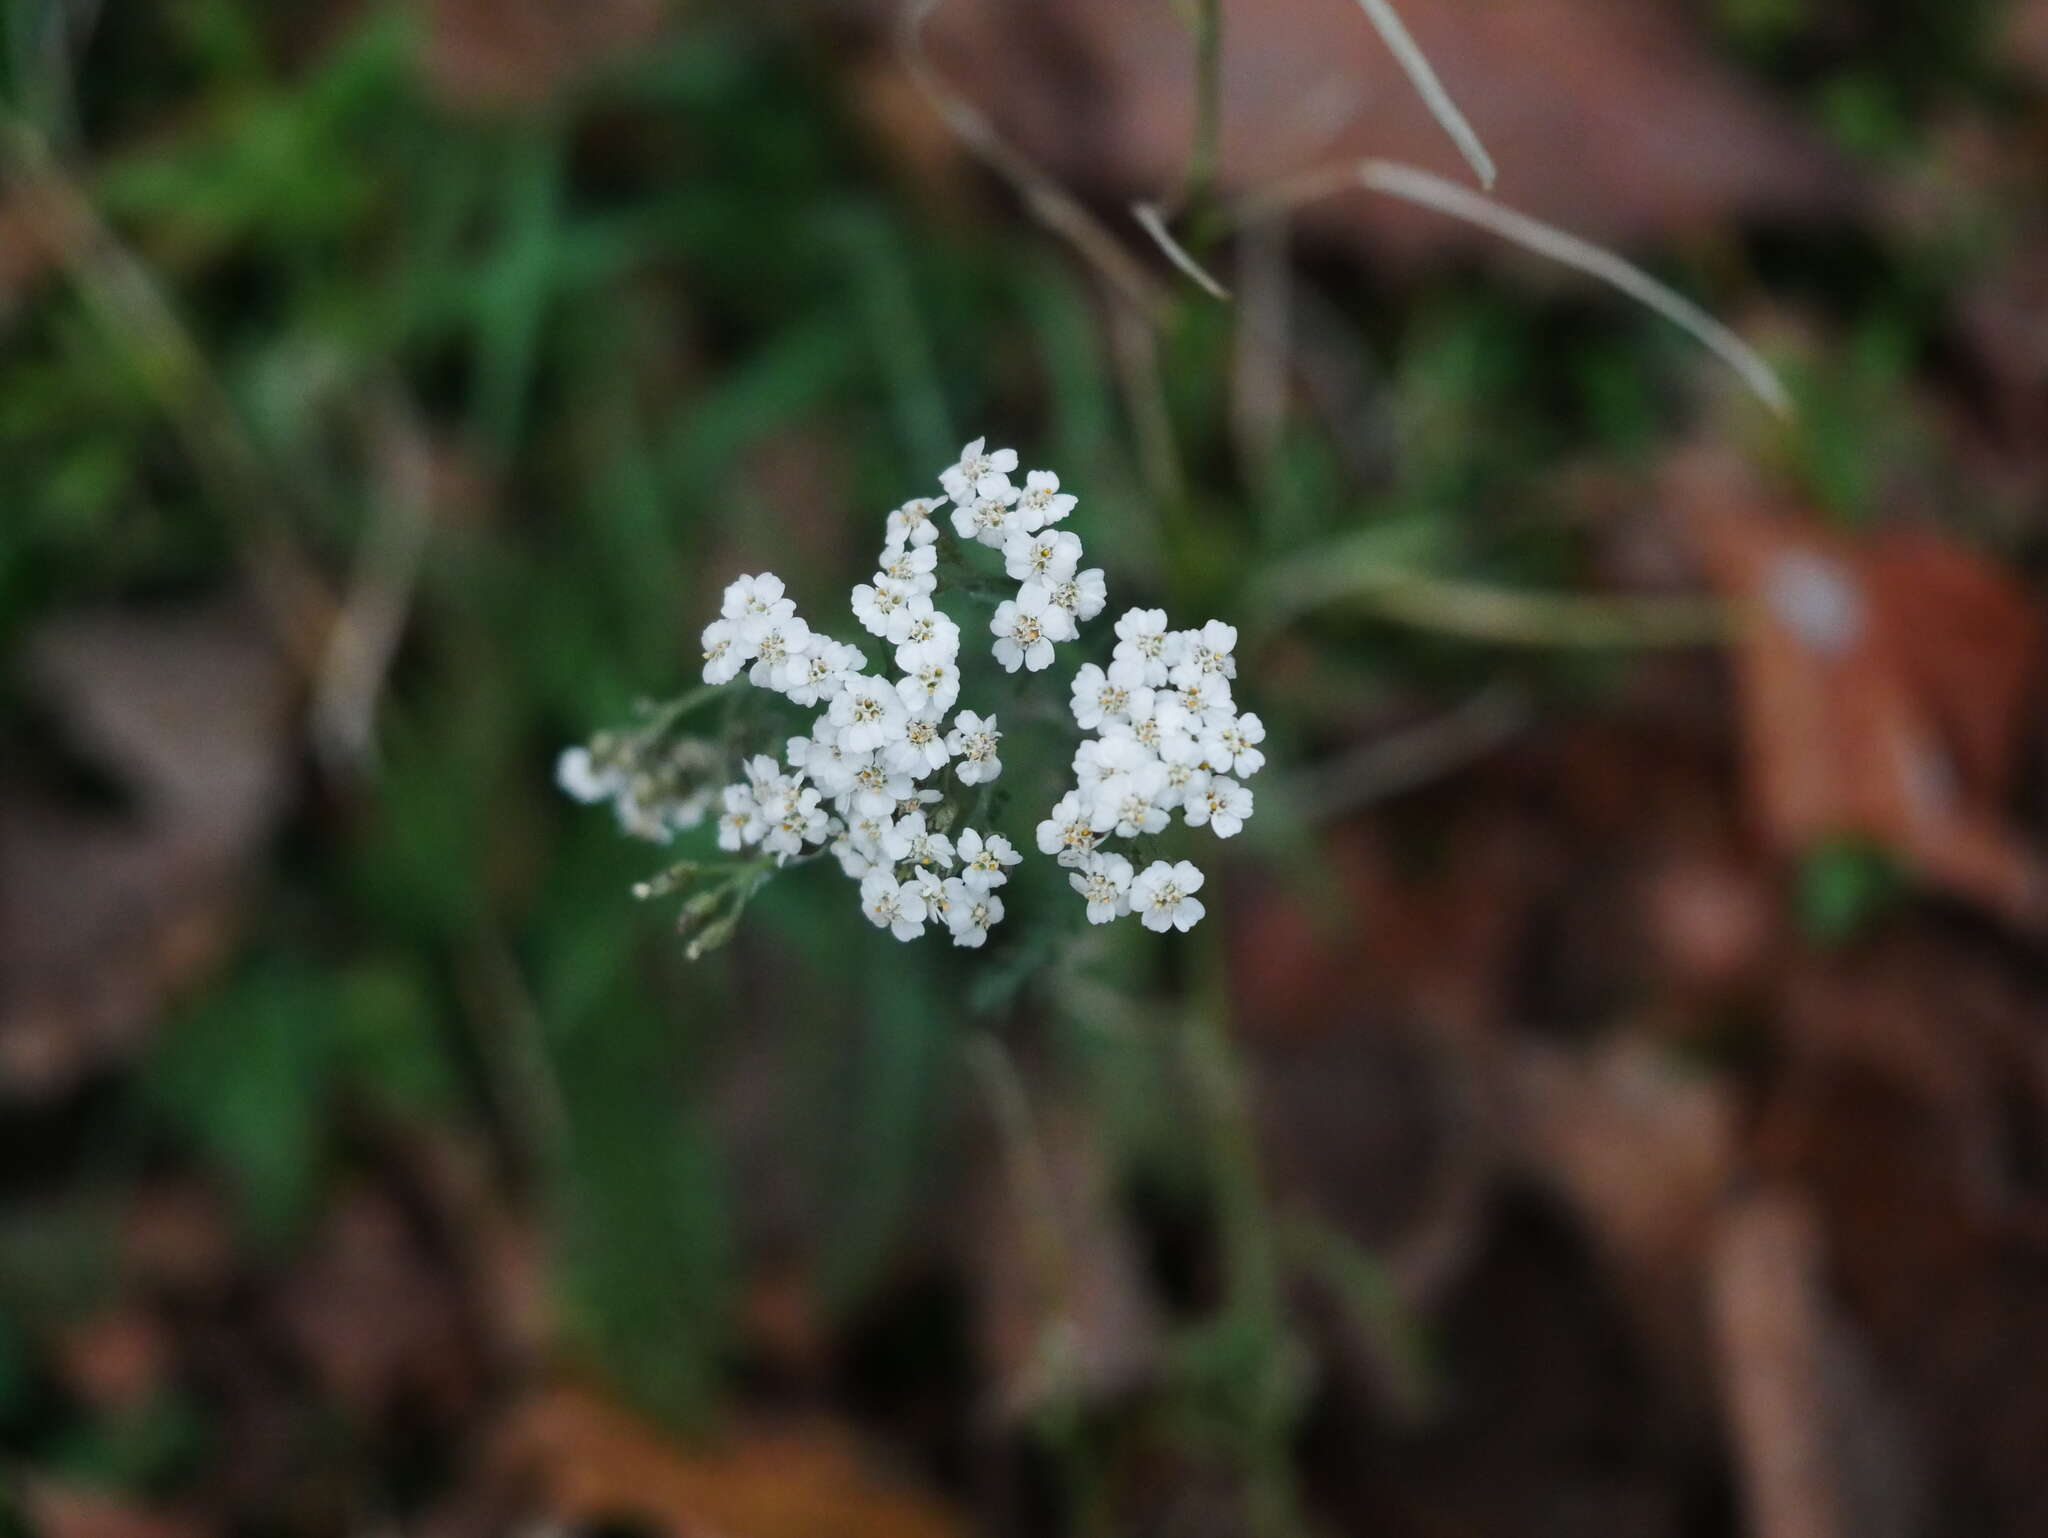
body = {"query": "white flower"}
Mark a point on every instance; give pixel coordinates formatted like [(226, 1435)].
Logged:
[(922, 635), (776, 644), (1043, 501), (912, 842), (1233, 747), (874, 603), (932, 689), (796, 820), (896, 907), (983, 859), (868, 712), (756, 598), (921, 750), (1162, 896), (1206, 699), (976, 465), (911, 524), (859, 845), (820, 672), (1081, 596), (971, 914), (1048, 556), (911, 567), (1141, 638), (1223, 804), (990, 515), (1025, 628), (1069, 832), (876, 788), (741, 822), (726, 651), (1207, 654), (1116, 695), (821, 759), (1100, 762), (973, 741), (1130, 804), (578, 776), (1105, 880)]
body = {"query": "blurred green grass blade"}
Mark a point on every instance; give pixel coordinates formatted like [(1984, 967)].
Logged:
[(790, 375), (908, 1050), (244, 1075), (513, 299), (650, 1264), (886, 290)]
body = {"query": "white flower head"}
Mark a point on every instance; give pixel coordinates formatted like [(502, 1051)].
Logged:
[(931, 689), (990, 516), (892, 905), (1049, 556), (821, 671), (1223, 804), (913, 523), (1043, 501), (1081, 597), (726, 651), (1115, 694), (984, 859), (977, 465), (971, 913), (740, 822), (777, 643), (874, 603), (1162, 895), (1234, 746), (868, 712), (1105, 880), (756, 598), (911, 567), (1142, 639), (579, 776), (922, 634), (1025, 628), (921, 750), (973, 742), (1206, 653), (1069, 832)]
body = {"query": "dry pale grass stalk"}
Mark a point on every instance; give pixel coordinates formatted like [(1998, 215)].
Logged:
[(1387, 21)]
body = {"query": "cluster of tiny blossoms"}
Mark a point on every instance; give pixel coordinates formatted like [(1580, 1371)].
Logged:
[(864, 783)]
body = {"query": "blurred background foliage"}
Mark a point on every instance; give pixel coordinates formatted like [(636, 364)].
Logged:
[(508, 335)]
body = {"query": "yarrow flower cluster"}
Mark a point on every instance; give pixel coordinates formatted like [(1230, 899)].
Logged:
[(883, 777)]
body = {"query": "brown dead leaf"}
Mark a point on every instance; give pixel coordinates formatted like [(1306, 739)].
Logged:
[(2026, 38), (1642, 1151), (518, 53), (61, 1511), (103, 915), (377, 1320), (596, 1463), (1885, 683), (1609, 117)]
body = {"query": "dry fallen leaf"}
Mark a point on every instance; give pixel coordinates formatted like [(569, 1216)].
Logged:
[(62, 1511), (103, 915), (1643, 1151), (1885, 684), (595, 1462)]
